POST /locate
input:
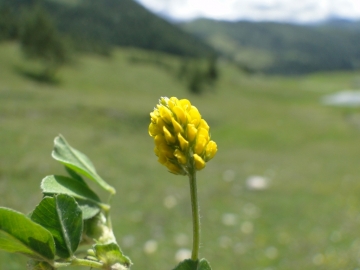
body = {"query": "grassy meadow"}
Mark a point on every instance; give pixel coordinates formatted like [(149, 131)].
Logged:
[(308, 217)]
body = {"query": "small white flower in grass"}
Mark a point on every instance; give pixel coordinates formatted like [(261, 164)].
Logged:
[(257, 183), (182, 254), (229, 219), (170, 201), (150, 246)]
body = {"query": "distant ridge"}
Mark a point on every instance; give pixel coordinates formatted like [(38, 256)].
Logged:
[(283, 47)]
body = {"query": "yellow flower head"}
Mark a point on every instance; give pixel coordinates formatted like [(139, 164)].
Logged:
[(181, 136)]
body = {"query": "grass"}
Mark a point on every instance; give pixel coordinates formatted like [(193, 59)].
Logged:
[(308, 218)]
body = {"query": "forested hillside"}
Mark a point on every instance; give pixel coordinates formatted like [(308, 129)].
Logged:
[(283, 48), (275, 48), (98, 25)]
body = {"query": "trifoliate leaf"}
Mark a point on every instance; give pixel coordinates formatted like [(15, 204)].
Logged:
[(61, 216), (20, 234), (88, 201), (77, 162)]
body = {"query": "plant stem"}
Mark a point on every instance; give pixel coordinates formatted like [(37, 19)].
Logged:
[(195, 215), (82, 262)]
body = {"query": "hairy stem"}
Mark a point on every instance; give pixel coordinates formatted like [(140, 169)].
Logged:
[(195, 215)]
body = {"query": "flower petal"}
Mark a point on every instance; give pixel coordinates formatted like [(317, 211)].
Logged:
[(185, 104), (180, 114), (204, 125), (164, 101), (210, 150), (202, 132), (191, 132), (200, 144), (199, 162), (181, 157), (161, 157), (166, 150), (154, 117), (153, 129), (165, 114), (184, 144), (173, 168), (159, 139), (177, 127), (194, 115), (172, 102), (170, 138)]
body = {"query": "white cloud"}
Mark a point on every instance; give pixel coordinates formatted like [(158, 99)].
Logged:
[(274, 10)]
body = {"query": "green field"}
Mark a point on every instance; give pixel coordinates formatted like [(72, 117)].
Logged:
[(308, 217)]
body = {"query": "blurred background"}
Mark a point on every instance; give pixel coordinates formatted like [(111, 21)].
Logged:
[(277, 81)]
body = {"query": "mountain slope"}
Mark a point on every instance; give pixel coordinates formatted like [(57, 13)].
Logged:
[(116, 23), (282, 48)]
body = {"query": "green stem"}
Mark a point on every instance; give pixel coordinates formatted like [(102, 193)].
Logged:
[(107, 215), (195, 215), (104, 206), (82, 262)]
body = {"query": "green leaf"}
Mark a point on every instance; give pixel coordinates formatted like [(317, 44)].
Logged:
[(56, 184), (36, 265), (88, 201), (189, 264), (62, 216), (88, 208), (110, 254), (21, 235), (204, 265), (74, 175), (78, 162)]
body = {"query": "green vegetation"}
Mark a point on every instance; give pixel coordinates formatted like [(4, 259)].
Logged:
[(275, 48), (199, 75), (9, 23), (308, 218), (97, 26), (283, 48), (40, 40)]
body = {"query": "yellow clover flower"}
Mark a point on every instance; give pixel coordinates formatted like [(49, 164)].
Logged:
[(181, 136)]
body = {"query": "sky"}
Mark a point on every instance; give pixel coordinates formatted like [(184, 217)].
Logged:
[(297, 11)]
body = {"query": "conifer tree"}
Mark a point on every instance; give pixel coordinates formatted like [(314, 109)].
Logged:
[(8, 22), (40, 40)]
